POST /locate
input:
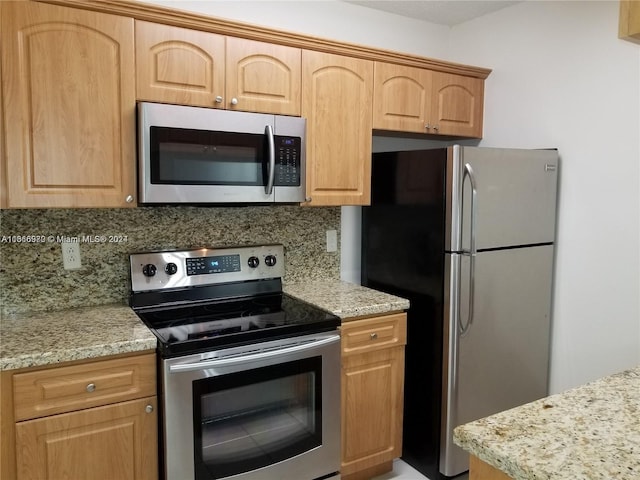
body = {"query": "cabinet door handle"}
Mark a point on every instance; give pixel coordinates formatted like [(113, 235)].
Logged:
[(427, 126), (218, 99), (148, 408), (435, 127), (373, 336), (91, 387), (234, 101), (129, 199)]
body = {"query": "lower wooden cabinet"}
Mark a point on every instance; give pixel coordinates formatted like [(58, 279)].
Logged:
[(116, 441), (372, 394), (94, 420), (479, 470)]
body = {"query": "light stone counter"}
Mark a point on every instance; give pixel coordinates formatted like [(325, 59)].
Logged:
[(346, 300), (588, 433), (45, 338)]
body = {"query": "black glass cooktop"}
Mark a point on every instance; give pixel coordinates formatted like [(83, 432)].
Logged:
[(204, 325)]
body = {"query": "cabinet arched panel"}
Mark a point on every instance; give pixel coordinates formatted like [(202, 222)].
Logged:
[(406, 91), (456, 104), (166, 63), (58, 81)]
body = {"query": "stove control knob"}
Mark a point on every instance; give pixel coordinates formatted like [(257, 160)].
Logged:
[(170, 268), (270, 260), (149, 270), (253, 262)]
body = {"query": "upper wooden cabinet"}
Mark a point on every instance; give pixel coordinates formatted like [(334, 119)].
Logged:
[(337, 105), (190, 67), (418, 100), (629, 25), (457, 105), (69, 107), (401, 98), (263, 77), (178, 65)]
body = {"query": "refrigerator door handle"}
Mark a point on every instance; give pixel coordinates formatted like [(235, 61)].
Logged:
[(471, 253)]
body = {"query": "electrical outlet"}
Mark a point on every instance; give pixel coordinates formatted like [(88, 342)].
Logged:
[(332, 241), (71, 255)]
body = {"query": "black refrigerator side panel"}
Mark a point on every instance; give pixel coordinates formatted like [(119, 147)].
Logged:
[(403, 254)]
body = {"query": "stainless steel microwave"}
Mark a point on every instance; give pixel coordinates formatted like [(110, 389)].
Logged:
[(199, 155)]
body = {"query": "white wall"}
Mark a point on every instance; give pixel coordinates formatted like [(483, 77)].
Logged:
[(329, 19), (561, 78)]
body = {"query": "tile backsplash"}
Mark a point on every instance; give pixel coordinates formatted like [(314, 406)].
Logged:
[(32, 276)]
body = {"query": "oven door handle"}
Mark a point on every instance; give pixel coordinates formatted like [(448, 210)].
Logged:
[(240, 359)]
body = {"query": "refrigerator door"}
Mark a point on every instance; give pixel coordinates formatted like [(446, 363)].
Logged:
[(502, 359), (515, 196)]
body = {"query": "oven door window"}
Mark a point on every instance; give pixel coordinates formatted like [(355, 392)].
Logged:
[(199, 157), (254, 418)]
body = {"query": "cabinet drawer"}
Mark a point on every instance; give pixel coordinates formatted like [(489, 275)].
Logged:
[(361, 336), (65, 389)]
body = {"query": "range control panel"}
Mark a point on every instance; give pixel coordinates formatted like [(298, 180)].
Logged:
[(205, 266)]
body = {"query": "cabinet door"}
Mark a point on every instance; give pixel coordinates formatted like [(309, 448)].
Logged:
[(629, 23), (372, 404), (336, 101), (457, 105), (69, 107), (401, 98), (103, 443), (180, 66), (263, 77)]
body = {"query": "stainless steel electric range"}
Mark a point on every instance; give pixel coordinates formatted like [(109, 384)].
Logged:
[(249, 376)]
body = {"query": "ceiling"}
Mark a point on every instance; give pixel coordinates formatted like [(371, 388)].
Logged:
[(442, 12)]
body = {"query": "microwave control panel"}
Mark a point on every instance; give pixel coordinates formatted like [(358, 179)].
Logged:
[(287, 161)]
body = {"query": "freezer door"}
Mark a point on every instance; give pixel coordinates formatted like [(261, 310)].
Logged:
[(502, 359), (515, 196)]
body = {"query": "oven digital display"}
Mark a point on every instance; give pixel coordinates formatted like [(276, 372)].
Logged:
[(217, 264)]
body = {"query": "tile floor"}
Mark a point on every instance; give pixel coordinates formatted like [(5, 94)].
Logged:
[(403, 471)]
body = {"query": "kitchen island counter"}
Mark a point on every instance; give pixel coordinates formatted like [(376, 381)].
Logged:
[(46, 338), (346, 300), (588, 433)]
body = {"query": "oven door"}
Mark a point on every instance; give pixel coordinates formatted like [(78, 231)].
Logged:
[(263, 411)]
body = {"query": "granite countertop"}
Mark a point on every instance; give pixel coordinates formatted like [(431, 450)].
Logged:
[(45, 338), (588, 433), (346, 300)]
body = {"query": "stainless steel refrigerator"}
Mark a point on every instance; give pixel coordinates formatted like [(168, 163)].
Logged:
[(467, 235)]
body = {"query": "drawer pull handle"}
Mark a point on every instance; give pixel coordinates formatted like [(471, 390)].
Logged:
[(91, 387), (374, 335), (148, 408)]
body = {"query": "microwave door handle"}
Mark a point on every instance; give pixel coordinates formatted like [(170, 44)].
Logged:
[(271, 170)]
